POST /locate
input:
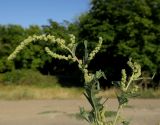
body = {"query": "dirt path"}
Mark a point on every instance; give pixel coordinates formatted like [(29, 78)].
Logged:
[(61, 112)]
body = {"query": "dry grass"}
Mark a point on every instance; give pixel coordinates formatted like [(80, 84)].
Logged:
[(32, 92), (108, 93), (19, 92)]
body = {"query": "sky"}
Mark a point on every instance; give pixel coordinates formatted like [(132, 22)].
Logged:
[(31, 12)]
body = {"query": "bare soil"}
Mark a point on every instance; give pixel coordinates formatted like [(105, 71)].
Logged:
[(62, 112)]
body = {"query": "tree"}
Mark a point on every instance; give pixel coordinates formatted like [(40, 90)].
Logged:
[(34, 56), (130, 28), (9, 38)]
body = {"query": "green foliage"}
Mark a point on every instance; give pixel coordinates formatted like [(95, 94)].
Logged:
[(97, 114), (28, 77), (10, 35), (130, 28), (34, 56)]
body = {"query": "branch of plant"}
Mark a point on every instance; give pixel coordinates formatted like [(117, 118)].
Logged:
[(117, 114)]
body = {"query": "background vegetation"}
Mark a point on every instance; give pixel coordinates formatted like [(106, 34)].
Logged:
[(130, 28)]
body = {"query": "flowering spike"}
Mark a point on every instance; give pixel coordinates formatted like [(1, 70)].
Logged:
[(29, 40), (96, 50), (72, 41), (57, 56)]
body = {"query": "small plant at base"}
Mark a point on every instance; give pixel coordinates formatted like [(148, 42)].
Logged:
[(96, 116)]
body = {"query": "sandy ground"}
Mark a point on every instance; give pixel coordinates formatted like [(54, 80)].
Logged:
[(61, 112)]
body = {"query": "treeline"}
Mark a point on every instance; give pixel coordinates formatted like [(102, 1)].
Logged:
[(33, 56), (129, 28)]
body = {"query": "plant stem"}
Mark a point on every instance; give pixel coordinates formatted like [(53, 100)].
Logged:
[(131, 79), (117, 115)]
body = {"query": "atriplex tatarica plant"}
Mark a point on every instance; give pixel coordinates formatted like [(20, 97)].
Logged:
[(97, 114)]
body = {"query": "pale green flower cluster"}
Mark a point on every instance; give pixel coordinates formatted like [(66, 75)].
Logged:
[(57, 56), (88, 76), (136, 72), (134, 89), (96, 50), (46, 38), (73, 41), (136, 69), (123, 79), (61, 43), (20, 47), (29, 40), (80, 64), (64, 45)]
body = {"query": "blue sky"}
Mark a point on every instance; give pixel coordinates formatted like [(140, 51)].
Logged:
[(28, 12)]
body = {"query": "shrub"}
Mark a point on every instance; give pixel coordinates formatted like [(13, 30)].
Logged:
[(29, 77)]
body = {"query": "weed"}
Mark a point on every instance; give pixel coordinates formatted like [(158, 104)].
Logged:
[(97, 114), (29, 77)]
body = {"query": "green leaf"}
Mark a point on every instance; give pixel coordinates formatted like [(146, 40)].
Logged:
[(100, 74), (122, 99), (74, 49), (84, 114), (85, 60)]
